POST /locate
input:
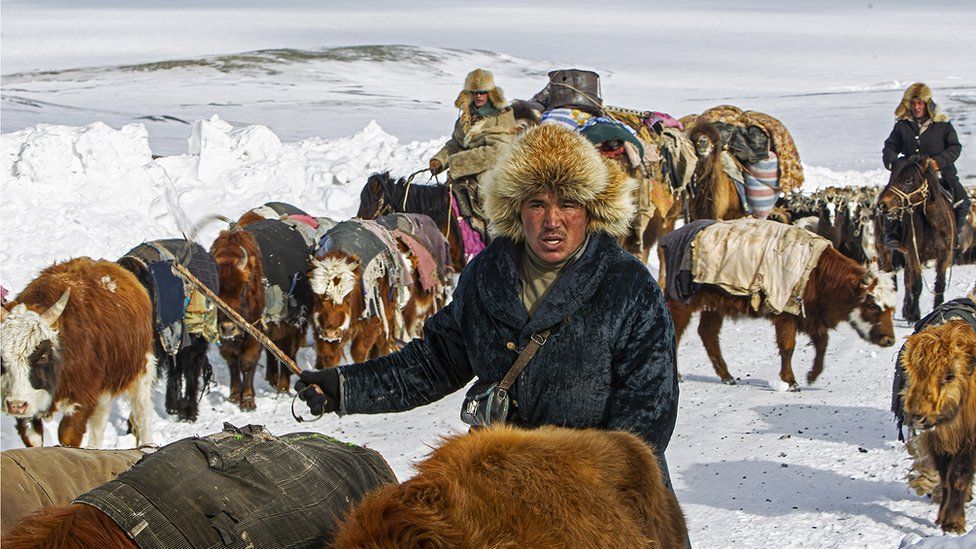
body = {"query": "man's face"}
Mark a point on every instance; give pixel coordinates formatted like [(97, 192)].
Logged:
[(918, 108), (480, 98), (554, 227)]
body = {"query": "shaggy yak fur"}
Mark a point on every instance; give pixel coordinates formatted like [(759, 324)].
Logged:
[(714, 195), (506, 487), (940, 403), (338, 308), (838, 289), (927, 225), (74, 526), (99, 347), (241, 273)]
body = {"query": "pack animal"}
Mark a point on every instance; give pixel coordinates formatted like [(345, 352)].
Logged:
[(354, 298), (837, 290), (940, 402), (914, 202), (182, 349), (548, 487), (266, 256), (78, 336), (714, 195)]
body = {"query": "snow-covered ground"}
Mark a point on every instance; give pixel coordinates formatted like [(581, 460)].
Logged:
[(120, 82)]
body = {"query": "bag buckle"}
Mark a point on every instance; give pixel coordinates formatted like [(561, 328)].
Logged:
[(539, 338)]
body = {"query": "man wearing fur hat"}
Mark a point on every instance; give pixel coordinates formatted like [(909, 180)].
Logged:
[(922, 130), (555, 274)]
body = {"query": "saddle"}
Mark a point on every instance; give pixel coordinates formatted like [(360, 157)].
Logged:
[(956, 309)]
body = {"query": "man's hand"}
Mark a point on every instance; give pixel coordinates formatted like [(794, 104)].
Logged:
[(319, 389), (435, 166)]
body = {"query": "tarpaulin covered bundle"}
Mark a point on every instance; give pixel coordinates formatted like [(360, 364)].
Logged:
[(32, 478), (171, 293), (241, 488)]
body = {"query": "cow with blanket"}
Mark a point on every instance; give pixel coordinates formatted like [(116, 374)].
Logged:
[(237, 488), (750, 267), (262, 269), (184, 320)]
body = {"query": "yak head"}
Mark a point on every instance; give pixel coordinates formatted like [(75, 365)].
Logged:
[(872, 319), (31, 358), (241, 274), (333, 279), (938, 363)]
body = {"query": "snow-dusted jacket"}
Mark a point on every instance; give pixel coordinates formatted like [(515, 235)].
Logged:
[(477, 143), (609, 363)]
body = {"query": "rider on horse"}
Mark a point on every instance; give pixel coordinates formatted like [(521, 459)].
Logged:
[(485, 128), (922, 130)]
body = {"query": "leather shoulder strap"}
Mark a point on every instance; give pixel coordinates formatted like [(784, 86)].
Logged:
[(537, 340)]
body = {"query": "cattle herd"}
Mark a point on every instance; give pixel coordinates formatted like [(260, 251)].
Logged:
[(85, 332)]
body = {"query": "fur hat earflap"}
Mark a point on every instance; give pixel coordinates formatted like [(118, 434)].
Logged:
[(923, 92), (554, 158), (480, 80)]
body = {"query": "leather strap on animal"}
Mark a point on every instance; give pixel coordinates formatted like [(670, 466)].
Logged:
[(537, 340)]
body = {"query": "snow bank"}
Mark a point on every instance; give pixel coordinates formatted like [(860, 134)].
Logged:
[(97, 191)]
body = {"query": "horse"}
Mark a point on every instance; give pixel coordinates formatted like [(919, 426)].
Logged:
[(384, 195), (914, 202), (713, 195)]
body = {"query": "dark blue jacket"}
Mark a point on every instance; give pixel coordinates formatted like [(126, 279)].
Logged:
[(609, 363)]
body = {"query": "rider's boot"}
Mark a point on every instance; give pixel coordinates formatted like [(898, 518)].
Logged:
[(962, 211), (892, 238)]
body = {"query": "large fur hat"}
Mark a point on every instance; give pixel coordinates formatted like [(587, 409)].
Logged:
[(553, 158), (480, 80), (923, 92)]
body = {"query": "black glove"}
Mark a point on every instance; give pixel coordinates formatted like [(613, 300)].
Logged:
[(319, 389)]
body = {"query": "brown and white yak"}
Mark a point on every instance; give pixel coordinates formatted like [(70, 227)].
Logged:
[(546, 487), (78, 336), (838, 289), (359, 282), (262, 270), (940, 403)]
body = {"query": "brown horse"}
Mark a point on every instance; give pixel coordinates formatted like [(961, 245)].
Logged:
[(713, 195), (913, 202)]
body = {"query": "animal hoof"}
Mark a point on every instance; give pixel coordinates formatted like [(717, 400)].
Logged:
[(248, 405), (794, 388), (954, 527), (234, 398), (729, 381), (811, 379)]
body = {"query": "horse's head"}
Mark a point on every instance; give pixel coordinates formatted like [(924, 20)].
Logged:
[(939, 364), (909, 186), (374, 198), (872, 319), (333, 279)]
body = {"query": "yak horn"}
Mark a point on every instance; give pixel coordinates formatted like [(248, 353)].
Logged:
[(51, 315), (242, 264)]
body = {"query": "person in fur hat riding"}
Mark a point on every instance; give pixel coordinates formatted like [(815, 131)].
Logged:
[(553, 280), (922, 130)]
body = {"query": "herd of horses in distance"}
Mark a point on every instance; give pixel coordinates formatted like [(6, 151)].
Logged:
[(87, 331)]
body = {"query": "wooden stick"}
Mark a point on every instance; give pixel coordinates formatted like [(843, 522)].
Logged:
[(240, 321)]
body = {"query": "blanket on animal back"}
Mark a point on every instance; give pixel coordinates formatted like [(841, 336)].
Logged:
[(403, 228), (311, 228), (424, 229), (241, 488), (956, 309), (170, 293), (284, 254), (32, 478), (768, 261), (676, 245), (373, 246)]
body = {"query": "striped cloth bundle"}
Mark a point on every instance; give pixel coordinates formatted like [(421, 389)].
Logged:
[(761, 188)]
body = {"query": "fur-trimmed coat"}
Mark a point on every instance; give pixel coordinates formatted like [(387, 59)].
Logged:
[(477, 143), (609, 363)]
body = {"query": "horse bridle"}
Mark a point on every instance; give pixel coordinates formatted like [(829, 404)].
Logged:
[(905, 199)]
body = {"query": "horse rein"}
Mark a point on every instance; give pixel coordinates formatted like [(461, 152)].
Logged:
[(905, 199)]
